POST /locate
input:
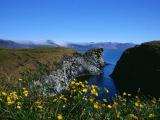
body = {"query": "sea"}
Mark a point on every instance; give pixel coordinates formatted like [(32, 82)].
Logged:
[(104, 81)]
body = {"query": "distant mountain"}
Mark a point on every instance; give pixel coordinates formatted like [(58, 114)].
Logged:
[(105, 45), (12, 44), (76, 46)]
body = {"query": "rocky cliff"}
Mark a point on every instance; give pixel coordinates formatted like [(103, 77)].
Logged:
[(139, 67), (90, 62)]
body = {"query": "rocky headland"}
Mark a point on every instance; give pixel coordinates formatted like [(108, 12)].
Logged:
[(138, 69), (89, 63)]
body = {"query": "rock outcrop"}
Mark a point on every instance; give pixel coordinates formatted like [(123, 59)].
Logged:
[(139, 67), (90, 63)]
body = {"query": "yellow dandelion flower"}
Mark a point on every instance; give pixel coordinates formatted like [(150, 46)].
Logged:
[(24, 88), (18, 107), (4, 93), (38, 102), (109, 106), (25, 93), (136, 104), (73, 82), (94, 92), (64, 106), (55, 99), (85, 98), (20, 79), (105, 100), (124, 93), (10, 100), (59, 116), (91, 100), (84, 90), (96, 105), (62, 97), (141, 106), (86, 82), (39, 106)]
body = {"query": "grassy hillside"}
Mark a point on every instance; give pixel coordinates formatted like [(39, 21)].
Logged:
[(19, 101), (14, 61)]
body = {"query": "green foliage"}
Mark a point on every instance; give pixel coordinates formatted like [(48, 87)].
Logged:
[(78, 102)]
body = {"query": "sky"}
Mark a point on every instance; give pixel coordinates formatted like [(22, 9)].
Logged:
[(123, 21)]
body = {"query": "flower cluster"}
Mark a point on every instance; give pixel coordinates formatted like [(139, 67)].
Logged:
[(78, 101)]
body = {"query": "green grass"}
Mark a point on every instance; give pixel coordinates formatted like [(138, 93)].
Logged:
[(13, 62), (77, 103), (18, 101)]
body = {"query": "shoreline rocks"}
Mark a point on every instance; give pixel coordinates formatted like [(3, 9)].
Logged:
[(139, 67), (79, 64)]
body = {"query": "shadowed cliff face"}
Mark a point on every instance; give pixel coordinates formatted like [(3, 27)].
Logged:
[(89, 63), (139, 67)]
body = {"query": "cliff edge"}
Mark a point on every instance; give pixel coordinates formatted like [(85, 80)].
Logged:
[(139, 67), (90, 63)]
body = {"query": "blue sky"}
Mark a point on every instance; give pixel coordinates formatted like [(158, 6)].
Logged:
[(80, 20)]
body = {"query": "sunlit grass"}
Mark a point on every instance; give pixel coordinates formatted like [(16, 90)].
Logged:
[(75, 103)]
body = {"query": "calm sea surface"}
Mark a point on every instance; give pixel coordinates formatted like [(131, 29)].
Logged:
[(104, 81)]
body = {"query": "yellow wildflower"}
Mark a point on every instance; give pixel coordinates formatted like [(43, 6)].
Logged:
[(136, 104), (38, 102), (94, 91), (64, 106), (10, 100), (4, 93), (96, 105), (141, 106), (73, 82), (91, 100), (84, 98), (20, 79), (151, 115), (84, 90), (62, 97), (124, 93), (86, 82), (118, 114), (105, 100), (39, 106), (18, 105), (59, 116), (25, 92), (109, 106)]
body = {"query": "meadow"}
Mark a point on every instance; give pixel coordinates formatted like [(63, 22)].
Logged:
[(78, 102), (20, 101)]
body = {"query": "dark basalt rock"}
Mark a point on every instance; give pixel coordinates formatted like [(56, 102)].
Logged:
[(89, 63), (139, 67)]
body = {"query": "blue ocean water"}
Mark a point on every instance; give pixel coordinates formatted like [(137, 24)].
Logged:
[(111, 56)]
